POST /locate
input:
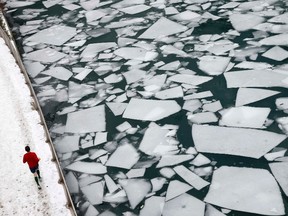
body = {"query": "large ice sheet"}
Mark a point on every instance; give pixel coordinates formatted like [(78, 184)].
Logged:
[(256, 78), (136, 190), (67, 144), (125, 157), (191, 178), (251, 117), (234, 141), (162, 27), (33, 68), (55, 35), (150, 110), (280, 171), (153, 206), (176, 92), (244, 22), (250, 95), (136, 53), (189, 79), (134, 75), (184, 205), (154, 136), (46, 55), (245, 189), (59, 73), (85, 121), (213, 65), (91, 50), (87, 167), (94, 192), (280, 40), (176, 188), (276, 53)]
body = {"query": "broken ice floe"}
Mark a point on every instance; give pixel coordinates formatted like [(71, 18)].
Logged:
[(234, 141), (46, 55), (260, 197), (150, 110)]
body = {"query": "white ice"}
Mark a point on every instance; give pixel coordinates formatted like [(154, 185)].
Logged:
[(184, 205), (213, 65), (162, 27), (134, 9), (234, 141), (280, 40), (59, 73), (203, 117), (33, 68), (119, 157), (136, 53), (244, 116), (134, 75), (191, 178), (250, 95), (245, 189), (176, 92), (87, 120), (189, 79), (150, 110), (46, 55), (136, 190), (256, 78), (171, 160), (91, 50), (67, 144), (244, 22), (211, 211), (153, 206), (276, 53), (94, 192), (176, 188), (280, 172), (117, 108), (87, 167), (55, 35)]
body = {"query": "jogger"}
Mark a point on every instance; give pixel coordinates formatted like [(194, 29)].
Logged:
[(32, 159)]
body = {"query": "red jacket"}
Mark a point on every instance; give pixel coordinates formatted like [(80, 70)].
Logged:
[(31, 158)]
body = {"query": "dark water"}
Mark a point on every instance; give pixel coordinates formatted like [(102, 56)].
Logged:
[(218, 86)]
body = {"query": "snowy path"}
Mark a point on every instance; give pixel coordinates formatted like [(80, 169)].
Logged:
[(18, 192)]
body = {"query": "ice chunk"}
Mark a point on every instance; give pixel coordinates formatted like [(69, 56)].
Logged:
[(204, 94), (255, 78), (176, 92), (76, 43), (96, 153), (34, 68), (189, 79), (244, 22), (192, 105), (134, 75), (107, 212), (82, 75), (211, 211), (72, 183), (251, 95), (150, 110), (91, 211), (18, 4), (213, 65), (234, 141), (55, 35), (93, 15), (119, 157), (253, 65), (153, 206), (176, 188), (135, 173), (191, 178), (113, 78), (170, 10), (280, 171), (204, 117), (50, 3), (94, 192), (46, 55), (123, 127), (127, 3), (87, 167), (67, 144), (171, 160), (136, 190), (92, 50), (280, 39), (117, 108), (171, 66), (200, 160), (90, 5), (185, 16), (238, 189), (136, 53), (213, 106), (135, 9), (283, 18), (276, 53), (87, 120), (77, 91), (110, 184), (252, 117), (162, 27), (59, 73), (169, 49), (277, 153), (184, 205)]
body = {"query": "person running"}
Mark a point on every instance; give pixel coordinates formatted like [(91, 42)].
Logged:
[(32, 159)]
